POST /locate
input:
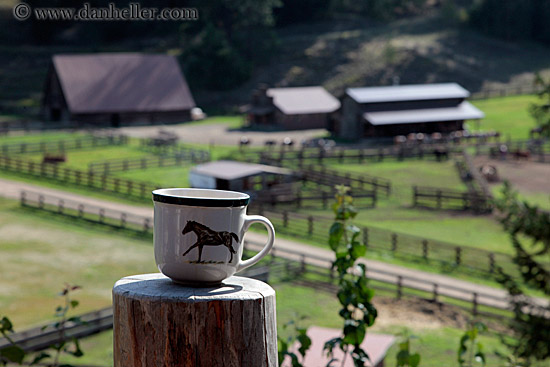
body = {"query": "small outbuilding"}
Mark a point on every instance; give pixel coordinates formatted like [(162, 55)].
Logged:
[(116, 88), (237, 176), (293, 108), (404, 109)]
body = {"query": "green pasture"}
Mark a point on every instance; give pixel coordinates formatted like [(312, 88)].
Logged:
[(508, 115)]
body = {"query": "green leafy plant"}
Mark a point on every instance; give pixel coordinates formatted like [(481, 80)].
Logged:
[(12, 353), (285, 344), (354, 293), (15, 354), (470, 349), (529, 230), (404, 356), (541, 112)]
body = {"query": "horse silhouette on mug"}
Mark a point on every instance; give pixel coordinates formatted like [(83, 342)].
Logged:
[(208, 237)]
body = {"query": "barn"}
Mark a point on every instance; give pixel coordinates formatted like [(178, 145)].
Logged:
[(403, 109), (292, 108), (237, 176), (116, 88)]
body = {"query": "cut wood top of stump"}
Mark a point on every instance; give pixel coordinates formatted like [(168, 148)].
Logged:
[(160, 288)]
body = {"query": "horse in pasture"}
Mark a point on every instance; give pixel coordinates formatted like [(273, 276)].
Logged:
[(208, 237)]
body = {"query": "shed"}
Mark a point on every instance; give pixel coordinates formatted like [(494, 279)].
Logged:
[(116, 88), (404, 109), (238, 176), (293, 108)]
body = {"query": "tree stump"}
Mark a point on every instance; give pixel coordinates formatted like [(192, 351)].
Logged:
[(161, 323)]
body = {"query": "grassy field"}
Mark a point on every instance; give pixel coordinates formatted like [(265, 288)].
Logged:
[(508, 115)]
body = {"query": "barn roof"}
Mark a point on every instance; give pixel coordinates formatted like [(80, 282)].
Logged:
[(464, 111), (303, 100), (122, 82), (412, 92), (231, 170)]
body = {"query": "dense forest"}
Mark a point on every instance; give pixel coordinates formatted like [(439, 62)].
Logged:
[(220, 49)]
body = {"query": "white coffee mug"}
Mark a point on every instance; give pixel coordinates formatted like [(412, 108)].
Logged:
[(198, 234)]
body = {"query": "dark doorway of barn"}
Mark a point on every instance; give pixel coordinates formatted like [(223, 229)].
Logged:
[(115, 120), (55, 114)]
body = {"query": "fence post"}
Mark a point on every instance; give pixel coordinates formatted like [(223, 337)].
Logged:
[(415, 194), (458, 255), (60, 206), (146, 224), (181, 325), (435, 292), (394, 242), (425, 249), (285, 218), (303, 263), (122, 220), (23, 198), (41, 201), (298, 200), (399, 286), (474, 304), (101, 215), (438, 199), (491, 263), (324, 198), (310, 225), (77, 178), (80, 210), (366, 236)]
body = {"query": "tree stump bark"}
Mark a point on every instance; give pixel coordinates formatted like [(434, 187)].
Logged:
[(161, 323)]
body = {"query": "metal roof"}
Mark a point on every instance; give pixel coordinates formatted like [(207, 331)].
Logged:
[(303, 100), (122, 82), (231, 170), (464, 111), (413, 92)]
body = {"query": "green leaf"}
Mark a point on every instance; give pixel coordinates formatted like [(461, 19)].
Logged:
[(6, 325), (335, 235), (40, 357), (402, 358), (354, 332), (304, 340), (74, 303), (13, 353), (414, 360)]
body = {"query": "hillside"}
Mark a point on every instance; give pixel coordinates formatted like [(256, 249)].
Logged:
[(337, 53)]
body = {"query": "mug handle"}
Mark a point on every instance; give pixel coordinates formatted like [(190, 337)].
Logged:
[(248, 220)]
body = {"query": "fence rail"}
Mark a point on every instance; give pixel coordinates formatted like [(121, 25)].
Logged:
[(63, 145), (117, 165), (137, 189)]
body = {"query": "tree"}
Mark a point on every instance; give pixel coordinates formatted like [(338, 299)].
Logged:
[(541, 112), (529, 229)]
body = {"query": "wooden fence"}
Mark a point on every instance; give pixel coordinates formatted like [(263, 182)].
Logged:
[(63, 145), (445, 199), (312, 200), (470, 260), (306, 156), (136, 189), (93, 213), (359, 182), (117, 165)]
